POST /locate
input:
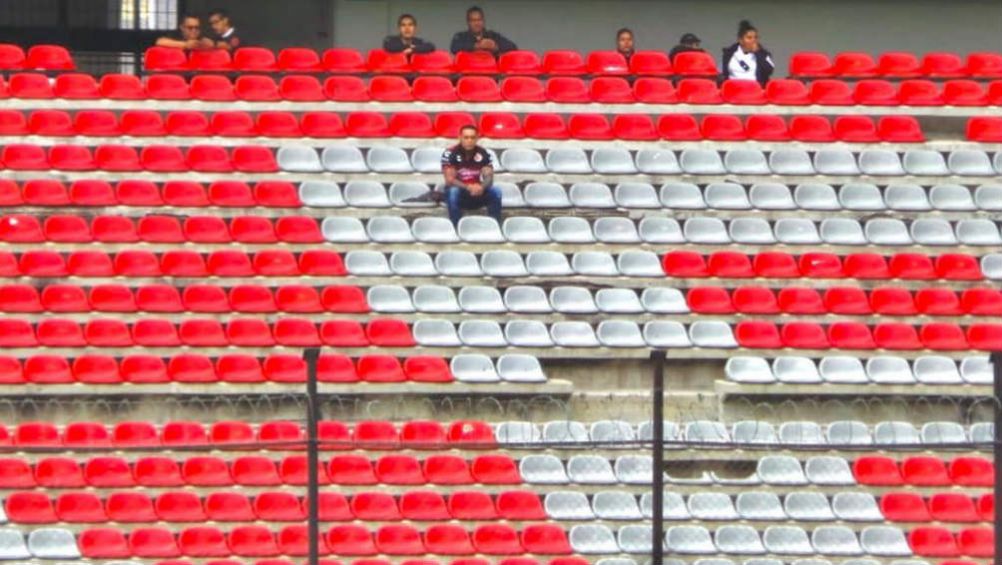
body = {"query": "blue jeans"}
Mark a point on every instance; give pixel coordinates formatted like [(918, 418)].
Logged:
[(459, 199)]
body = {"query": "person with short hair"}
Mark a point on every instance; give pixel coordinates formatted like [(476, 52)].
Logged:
[(407, 41), (469, 177), (687, 43), (226, 35), (188, 35), (478, 38), (624, 43), (748, 59)]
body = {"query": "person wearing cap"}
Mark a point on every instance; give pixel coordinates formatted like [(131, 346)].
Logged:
[(624, 43), (688, 42)]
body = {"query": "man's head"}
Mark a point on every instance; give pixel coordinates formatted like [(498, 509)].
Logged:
[(475, 20), (689, 40), (220, 21), (191, 27), (407, 24), (468, 137), (624, 40)]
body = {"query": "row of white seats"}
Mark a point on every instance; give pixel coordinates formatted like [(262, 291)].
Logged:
[(858, 196), (749, 561), (620, 161), (930, 369), (662, 230)]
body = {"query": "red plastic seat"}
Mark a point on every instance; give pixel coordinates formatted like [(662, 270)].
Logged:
[(651, 90), (435, 62), (167, 87), (984, 65), (545, 539), (563, 62), (610, 90), (606, 63), (904, 507), (898, 64), (212, 88), (129, 507), (228, 507), (335, 60), (972, 472), (380, 61), (874, 92), (953, 507), (141, 123), (757, 335), (828, 92), (943, 65), (20, 157), (787, 92), (351, 539), (30, 508), (497, 539), (985, 129), (427, 369), (165, 59), (495, 469), (375, 506), (390, 89), (433, 89), (634, 127), (80, 507), (100, 123), (698, 91), (877, 471), (254, 59), (501, 125), (279, 506), (208, 159), (351, 470), (423, 506), (447, 470), (590, 127), (49, 58), (766, 127), (476, 62), (742, 92), (519, 63), (977, 542), (853, 64), (210, 60), (709, 300), (50, 122), (650, 63), (32, 86), (723, 127), (804, 335), (896, 336), (960, 92), (520, 505), (952, 266), (367, 124), (570, 90), (729, 264), (695, 63), (301, 88), (919, 92), (11, 57), (866, 266), (298, 59), (811, 129), (71, 158), (59, 472), (679, 127), (103, 543), (931, 541), (399, 539), (810, 64), (684, 264), (477, 89), (76, 86), (162, 159), (545, 126), (924, 471), (855, 129)]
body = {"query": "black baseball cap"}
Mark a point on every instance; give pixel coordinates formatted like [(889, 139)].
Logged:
[(689, 38)]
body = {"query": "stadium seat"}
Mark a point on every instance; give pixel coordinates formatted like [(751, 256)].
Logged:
[(694, 63), (943, 65), (960, 92), (898, 65), (810, 65), (679, 127), (477, 89), (212, 88), (30, 86), (698, 91), (167, 87), (610, 90), (569, 90), (766, 127), (829, 92), (853, 64), (340, 60), (722, 127), (76, 86), (875, 92), (742, 92), (210, 60), (919, 92), (520, 63), (899, 129), (652, 90), (299, 88), (297, 59), (984, 129), (11, 57)]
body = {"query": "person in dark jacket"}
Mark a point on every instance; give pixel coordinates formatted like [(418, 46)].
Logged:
[(407, 41), (624, 43), (747, 59), (688, 42), (478, 38)]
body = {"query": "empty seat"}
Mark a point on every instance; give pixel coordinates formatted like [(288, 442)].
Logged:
[(701, 162)]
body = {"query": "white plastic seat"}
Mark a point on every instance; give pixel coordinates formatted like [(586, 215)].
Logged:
[(943, 433), (435, 333), (591, 195), (672, 431), (525, 229), (835, 162), (689, 540), (991, 266), (389, 229), (755, 432), (389, 299), (757, 505), (712, 334), (458, 264), (542, 469), (570, 229), (816, 196), (547, 264), (702, 162), (590, 470), (907, 198), (896, 433), (518, 433), (842, 370), (527, 333), (546, 195), (753, 231), (435, 299), (781, 470), (594, 263), (567, 505), (970, 162), (572, 300), (612, 431), (856, 507), (738, 540), (808, 506), (428, 229), (12, 544), (657, 162), (976, 371), (656, 229), (427, 159), (511, 195), (983, 432), (344, 159), (300, 159), (672, 506), (711, 506), (344, 230), (934, 231), (481, 333), (924, 163), (951, 197), (884, 541), (573, 334), (567, 160), (527, 300), (771, 196), (618, 301), (791, 162), (521, 160), (835, 540), (592, 539), (367, 264), (848, 432), (382, 159), (612, 161), (796, 231), (842, 231), (619, 333), (749, 370), (400, 192), (636, 195), (889, 370), (801, 433), (978, 231), (612, 229), (53, 543), (615, 505), (828, 470), (887, 231), (479, 229), (726, 196), (520, 368), (706, 230), (706, 431), (682, 195), (861, 196), (935, 369), (880, 163), (989, 196), (481, 299), (666, 334), (322, 194), (634, 263), (746, 162), (634, 469), (660, 300), (787, 540)]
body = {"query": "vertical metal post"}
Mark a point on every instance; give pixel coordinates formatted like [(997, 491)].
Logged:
[(312, 455), (996, 359), (137, 53), (658, 457)]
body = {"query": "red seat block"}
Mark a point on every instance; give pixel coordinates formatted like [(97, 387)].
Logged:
[(898, 65), (497, 539), (651, 90), (877, 471), (829, 92), (165, 59), (953, 507), (904, 507), (918, 92), (932, 541), (977, 542), (757, 335), (853, 64), (924, 471), (809, 64), (899, 129), (723, 127), (766, 127), (695, 63), (985, 129), (972, 471), (742, 92), (787, 92), (875, 92), (943, 65), (855, 129)]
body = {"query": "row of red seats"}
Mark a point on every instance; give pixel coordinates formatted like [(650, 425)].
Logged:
[(230, 368), (347, 60), (23, 298), (884, 301), (206, 332), (985, 129), (940, 507), (857, 335), (143, 193), (896, 64), (343, 540), (933, 541), (819, 265), (254, 470), (422, 561), (66, 228), (29, 507), (44, 57), (922, 470), (153, 158), (609, 90), (365, 434), (499, 125)]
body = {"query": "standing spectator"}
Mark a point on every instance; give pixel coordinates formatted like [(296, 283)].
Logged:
[(624, 43), (688, 42), (469, 177), (188, 36), (407, 42), (226, 35), (478, 38), (748, 59)]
